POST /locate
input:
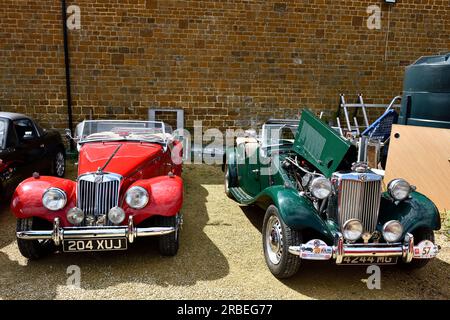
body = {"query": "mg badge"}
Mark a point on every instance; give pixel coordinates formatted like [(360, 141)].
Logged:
[(98, 179)]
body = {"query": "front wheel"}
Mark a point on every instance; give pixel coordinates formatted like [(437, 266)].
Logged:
[(277, 238), (169, 243), (33, 249), (59, 164)]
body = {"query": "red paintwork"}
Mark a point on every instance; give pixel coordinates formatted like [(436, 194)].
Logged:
[(27, 199), (143, 164), (128, 158), (166, 198)]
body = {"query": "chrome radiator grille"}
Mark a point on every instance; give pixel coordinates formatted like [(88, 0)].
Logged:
[(359, 197), (98, 193)]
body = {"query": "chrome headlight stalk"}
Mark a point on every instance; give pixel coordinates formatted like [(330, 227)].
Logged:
[(399, 189), (137, 197), (54, 199), (352, 230), (392, 231)]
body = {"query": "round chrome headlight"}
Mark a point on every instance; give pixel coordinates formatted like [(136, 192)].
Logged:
[(54, 199), (137, 197), (399, 189), (116, 215), (320, 187), (352, 229), (392, 231), (75, 216)]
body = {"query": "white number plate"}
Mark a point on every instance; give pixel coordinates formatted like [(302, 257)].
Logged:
[(94, 245), (369, 260)]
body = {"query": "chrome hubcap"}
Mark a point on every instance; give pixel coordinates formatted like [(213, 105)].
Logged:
[(60, 164), (274, 240)]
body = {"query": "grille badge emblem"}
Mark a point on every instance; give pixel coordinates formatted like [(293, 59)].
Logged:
[(362, 177), (98, 179)]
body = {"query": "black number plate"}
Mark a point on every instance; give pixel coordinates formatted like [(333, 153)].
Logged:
[(94, 245), (369, 260)]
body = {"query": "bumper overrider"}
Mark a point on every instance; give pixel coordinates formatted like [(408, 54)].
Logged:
[(318, 250), (58, 234)]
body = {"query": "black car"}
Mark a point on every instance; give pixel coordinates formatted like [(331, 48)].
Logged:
[(26, 148)]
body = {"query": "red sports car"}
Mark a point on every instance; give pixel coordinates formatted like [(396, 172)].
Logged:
[(128, 186)]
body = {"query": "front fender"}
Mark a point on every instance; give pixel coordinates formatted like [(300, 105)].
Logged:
[(166, 198), (414, 213), (27, 199), (297, 211)]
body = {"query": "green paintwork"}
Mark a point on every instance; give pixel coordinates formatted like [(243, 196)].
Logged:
[(414, 213), (297, 210), (320, 145)]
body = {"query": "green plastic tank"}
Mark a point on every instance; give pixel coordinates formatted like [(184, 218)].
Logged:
[(426, 93)]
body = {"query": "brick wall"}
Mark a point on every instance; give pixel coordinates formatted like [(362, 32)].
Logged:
[(229, 63)]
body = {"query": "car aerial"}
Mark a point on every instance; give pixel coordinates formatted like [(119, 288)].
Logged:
[(323, 202), (26, 148), (128, 186)]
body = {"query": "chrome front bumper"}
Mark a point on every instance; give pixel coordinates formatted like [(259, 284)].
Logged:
[(406, 250), (58, 234)]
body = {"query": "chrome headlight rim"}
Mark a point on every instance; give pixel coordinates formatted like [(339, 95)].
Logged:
[(320, 188), (397, 183), (75, 220), (57, 191), (114, 220), (386, 233), (345, 231), (137, 189)]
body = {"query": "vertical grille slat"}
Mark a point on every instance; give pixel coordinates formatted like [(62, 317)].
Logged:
[(359, 199), (97, 198)]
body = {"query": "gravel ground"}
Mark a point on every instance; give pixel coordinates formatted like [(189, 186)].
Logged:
[(220, 257)]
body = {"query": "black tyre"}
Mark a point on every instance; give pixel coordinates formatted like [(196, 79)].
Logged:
[(59, 163), (277, 238), (169, 243), (33, 249), (419, 236)]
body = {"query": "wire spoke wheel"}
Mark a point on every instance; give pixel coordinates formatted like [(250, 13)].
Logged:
[(60, 164)]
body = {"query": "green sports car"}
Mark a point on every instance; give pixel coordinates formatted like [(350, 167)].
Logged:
[(323, 201)]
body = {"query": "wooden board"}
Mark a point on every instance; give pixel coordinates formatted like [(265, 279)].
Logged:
[(421, 155)]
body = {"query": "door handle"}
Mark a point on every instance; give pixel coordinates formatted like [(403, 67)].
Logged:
[(42, 145), (255, 170)]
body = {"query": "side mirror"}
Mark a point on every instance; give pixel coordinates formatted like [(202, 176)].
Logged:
[(68, 134), (28, 137)]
